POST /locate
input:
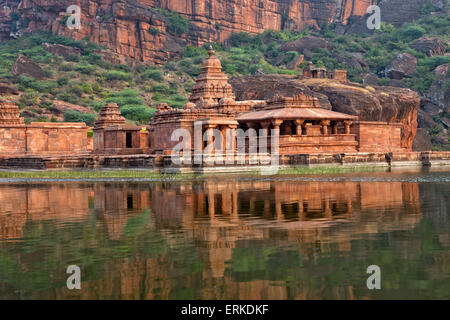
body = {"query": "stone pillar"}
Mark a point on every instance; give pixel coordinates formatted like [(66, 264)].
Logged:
[(325, 124), (276, 124), (143, 139), (335, 128), (210, 136), (347, 124), (265, 133), (299, 124), (232, 137), (223, 133)]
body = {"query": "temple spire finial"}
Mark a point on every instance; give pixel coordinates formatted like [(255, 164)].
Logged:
[(211, 51)]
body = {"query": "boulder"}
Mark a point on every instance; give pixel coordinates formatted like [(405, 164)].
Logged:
[(353, 59), (296, 62), (429, 46), (431, 109), (60, 50), (26, 67), (264, 87), (6, 89), (369, 79), (424, 120), (404, 65), (422, 140), (397, 83), (305, 45), (439, 92)]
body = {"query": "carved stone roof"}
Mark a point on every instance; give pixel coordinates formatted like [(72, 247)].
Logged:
[(10, 114), (211, 83), (293, 114), (300, 100), (300, 106), (110, 115)]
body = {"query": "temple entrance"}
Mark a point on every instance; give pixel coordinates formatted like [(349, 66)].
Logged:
[(129, 140)]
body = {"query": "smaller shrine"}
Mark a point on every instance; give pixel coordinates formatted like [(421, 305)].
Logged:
[(313, 72), (113, 136)]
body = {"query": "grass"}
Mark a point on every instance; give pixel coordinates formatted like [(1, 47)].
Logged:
[(89, 174), (317, 170), (152, 175)]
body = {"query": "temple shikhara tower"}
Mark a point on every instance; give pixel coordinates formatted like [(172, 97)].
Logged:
[(10, 114), (211, 84)]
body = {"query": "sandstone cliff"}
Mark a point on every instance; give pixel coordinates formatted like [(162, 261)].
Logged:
[(138, 32), (368, 103)]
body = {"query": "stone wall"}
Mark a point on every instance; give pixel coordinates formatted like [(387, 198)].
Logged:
[(43, 139), (56, 138), (12, 139), (341, 143), (161, 135), (378, 136)]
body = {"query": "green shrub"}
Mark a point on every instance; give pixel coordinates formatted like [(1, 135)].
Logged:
[(153, 74), (73, 58), (153, 31), (87, 88), (77, 116), (191, 51), (67, 67), (241, 38), (138, 113), (76, 89), (85, 68), (177, 23), (160, 87), (29, 98), (117, 75), (412, 32), (126, 97), (62, 81)]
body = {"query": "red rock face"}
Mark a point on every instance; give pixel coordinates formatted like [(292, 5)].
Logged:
[(137, 32)]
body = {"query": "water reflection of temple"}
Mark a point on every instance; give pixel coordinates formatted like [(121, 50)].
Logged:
[(38, 202), (216, 217)]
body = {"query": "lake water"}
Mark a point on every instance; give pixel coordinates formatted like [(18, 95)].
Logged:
[(309, 237)]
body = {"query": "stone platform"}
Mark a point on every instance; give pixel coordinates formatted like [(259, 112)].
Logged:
[(163, 163)]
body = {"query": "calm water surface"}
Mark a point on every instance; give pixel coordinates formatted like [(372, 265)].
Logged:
[(228, 238)]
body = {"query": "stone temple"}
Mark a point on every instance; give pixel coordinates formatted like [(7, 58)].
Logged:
[(303, 125), (306, 132)]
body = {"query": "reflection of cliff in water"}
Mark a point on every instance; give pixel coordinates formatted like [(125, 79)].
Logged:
[(201, 233)]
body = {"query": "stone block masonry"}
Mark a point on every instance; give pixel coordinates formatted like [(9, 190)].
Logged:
[(378, 136), (43, 139)]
